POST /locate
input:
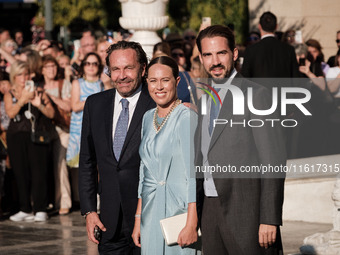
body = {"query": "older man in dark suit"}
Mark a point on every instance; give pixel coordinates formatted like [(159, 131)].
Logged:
[(241, 214), (110, 140)]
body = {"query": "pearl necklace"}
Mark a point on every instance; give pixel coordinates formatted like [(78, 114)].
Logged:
[(155, 122)]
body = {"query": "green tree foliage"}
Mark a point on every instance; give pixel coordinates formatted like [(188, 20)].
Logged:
[(188, 14), (65, 11), (178, 15), (183, 13), (113, 12)]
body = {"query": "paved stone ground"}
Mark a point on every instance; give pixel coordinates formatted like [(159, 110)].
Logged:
[(293, 233), (66, 235)]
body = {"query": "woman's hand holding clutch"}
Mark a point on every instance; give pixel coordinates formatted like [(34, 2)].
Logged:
[(187, 236)]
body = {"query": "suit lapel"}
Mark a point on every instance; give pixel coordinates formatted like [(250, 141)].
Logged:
[(141, 107), (198, 142), (109, 121), (226, 111)]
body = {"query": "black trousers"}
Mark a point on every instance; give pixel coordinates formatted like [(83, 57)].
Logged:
[(217, 239), (121, 243), (30, 165)]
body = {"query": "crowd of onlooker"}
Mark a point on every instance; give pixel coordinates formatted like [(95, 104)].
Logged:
[(42, 99), (43, 90)]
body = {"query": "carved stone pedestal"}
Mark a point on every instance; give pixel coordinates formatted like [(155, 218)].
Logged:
[(326, 243), (145, 17)]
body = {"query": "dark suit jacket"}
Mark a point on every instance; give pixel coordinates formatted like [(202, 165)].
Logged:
[(251, 201), (270, 58), (118, 181)]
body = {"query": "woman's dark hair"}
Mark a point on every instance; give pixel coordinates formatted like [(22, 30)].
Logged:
[(163, 47), (167, 61), (100, 65), (4, 76), (287, 35), (315, 44), (48, 58)]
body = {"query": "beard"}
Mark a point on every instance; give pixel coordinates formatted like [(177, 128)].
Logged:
[(222, 79)]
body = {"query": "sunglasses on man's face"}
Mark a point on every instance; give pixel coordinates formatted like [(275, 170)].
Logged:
[(189, 37), (253, 38), (91, 64), (175, 55), (337, 40), (3, 60)]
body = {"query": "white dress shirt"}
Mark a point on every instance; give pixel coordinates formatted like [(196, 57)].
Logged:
[(133, 99), (267, 35)]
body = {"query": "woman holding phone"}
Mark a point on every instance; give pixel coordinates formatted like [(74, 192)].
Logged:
[(26, 108)]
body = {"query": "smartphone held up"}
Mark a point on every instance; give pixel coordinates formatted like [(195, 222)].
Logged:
[(29, 85), (109, 36), (206, 21), (302, 61)]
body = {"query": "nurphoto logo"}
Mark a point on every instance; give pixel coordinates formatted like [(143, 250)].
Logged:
[(239, 104)]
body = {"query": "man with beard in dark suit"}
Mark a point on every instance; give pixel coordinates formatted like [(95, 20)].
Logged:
[(110, 139), (241, 214)]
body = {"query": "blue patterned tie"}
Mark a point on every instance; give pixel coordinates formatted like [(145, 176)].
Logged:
[(121, 128), (214, 111)]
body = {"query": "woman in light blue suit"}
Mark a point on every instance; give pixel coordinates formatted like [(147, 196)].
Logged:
[(166, 187)]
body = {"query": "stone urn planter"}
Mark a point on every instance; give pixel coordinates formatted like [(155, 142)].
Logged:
[(326, 243), (145, 17)]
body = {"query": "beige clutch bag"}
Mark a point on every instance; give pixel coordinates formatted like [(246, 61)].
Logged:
[(172, 226)]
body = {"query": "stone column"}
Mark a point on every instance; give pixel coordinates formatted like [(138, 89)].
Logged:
[(145, 17), (326, 243)]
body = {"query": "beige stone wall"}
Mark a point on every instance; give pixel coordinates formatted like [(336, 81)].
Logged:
[(317, 19), (309, 193), (309, 200)]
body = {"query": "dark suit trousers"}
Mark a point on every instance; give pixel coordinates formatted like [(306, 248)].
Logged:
[(217, 239), (121, 243)]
